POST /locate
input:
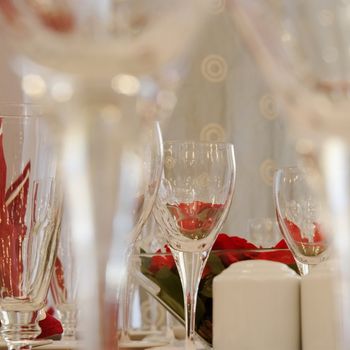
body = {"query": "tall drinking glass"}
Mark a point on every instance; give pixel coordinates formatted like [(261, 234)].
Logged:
[(152, 153), (65, 281), (30, 202), (193, 201)]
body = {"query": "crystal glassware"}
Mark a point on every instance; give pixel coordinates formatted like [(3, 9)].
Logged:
[(151, 153), (65, 281), (30, 198), (299, 217), (107, 72), (193, 201)]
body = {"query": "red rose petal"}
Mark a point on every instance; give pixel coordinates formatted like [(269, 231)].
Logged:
[(295, 232), (50, 326), (190, 224), (159, 261), (281, 244), (222, 242), (16, 197), (241, 243), (285, 257), (318, 234)]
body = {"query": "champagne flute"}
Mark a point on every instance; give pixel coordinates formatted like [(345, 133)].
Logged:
[(30, 200), (193, 201), (298, 213)]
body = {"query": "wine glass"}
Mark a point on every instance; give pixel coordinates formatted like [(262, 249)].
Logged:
[(193, 201), (299, 217), (151, 151), (65, 281), (30, 198), (108, 71)]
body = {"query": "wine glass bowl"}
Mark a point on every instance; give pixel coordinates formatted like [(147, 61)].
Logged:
[(195, 193), (118, 36), (299, 215), (193, 201), (150, 150)]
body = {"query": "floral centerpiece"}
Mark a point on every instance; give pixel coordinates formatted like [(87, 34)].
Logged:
[(161, 269)]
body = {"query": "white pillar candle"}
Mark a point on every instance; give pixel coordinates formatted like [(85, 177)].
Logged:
[(320, 311), (256, 306)]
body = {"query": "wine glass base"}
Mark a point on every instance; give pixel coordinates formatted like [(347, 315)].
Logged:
[(29, 343), (141, 344)]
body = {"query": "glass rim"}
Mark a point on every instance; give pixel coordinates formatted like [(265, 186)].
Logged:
[(200, 143), (219, 251), (291, 168)]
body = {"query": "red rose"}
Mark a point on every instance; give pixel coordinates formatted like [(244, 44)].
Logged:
[(208, 224), (318, 234), (222, 242), (189, 209), (190, 224), (160, 261), (281, 245), (285, 257), (241, 243), (50, 326), (295, 232), (229, 258)]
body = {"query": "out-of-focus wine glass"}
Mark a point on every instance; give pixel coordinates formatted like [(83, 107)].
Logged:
[(101, 39), (65, 281), (193, 201), (299, 217), (99, 53), (30, 201), (303, 49), (151, 151)]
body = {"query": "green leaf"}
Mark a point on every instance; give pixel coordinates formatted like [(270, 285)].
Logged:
[(206, 288), (215, 264)]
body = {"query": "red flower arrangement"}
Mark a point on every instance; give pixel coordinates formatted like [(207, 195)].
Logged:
[(161, 269)]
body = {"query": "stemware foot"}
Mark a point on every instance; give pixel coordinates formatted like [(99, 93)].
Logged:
[(69, 323), (20, 329)]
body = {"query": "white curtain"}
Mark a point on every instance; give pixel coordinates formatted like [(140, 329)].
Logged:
[(224, 98)]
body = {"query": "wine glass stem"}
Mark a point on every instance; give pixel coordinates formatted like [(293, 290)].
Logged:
[(304, 269), (190, 266), (126, 295)]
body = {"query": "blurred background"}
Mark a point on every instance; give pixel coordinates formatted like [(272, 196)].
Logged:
[(223, 98)]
